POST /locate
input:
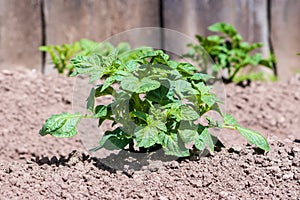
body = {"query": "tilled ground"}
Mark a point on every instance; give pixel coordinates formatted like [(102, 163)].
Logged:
[(38, 167)]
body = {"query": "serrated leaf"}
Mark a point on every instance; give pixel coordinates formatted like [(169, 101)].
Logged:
[(61, 125), (95, 65), (146, 136), (173, 145), (90, 101), (254, 137)]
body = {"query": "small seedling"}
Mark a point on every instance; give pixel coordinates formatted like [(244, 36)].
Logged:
[(230, 54), (61, 55), (156, 105)]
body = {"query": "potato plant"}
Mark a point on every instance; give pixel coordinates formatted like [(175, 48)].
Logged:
[(230, 54), (156, 104), (61, 55)]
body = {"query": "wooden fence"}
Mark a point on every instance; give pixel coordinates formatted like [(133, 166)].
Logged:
[(27, 24)]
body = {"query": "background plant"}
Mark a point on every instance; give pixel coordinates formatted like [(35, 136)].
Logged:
[(156, 104), (61, 55), (229, 53)]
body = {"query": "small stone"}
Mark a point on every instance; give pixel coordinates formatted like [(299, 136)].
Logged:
[(296, 177), (281, 119), (295, 150), (288, 176), (7, 72), (163, 198), (174, 164), (274, 169), (154, 166), (223, 194)]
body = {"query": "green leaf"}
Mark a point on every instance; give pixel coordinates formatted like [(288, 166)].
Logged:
[(183, 89), (146, 136), (140, 115), (204, 139), (110, 80), (159, 125), (229, 120), (187, 131), (254, 137), (147, 85), (100, 111), (91, 100), (215, 39), (159, 95), (102, 91), (95, 65), (133, 84), (201, 77), (114, 140), (123, 47), (61, 125), (157, 56), (216, 108), (202, 88), (223, 28), (131, 66), (173, 64), (186, 69), (130, 84), (209, 99), (188, 113), (199, 144), (173, 145)]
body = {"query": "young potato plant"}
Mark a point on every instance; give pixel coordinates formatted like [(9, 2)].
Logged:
[(157, 103), (61, 55), (229, 53)]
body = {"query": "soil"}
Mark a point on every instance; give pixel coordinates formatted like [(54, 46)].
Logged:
[(35, 167)]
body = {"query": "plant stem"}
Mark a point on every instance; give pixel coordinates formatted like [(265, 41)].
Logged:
[(229, 127), (234, 73)]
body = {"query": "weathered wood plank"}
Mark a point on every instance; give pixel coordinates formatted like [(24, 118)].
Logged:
[(71, 20), (194, 16), (285, 28), (20, 34)]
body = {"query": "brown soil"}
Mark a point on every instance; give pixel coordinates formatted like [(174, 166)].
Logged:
[(38, 167)]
